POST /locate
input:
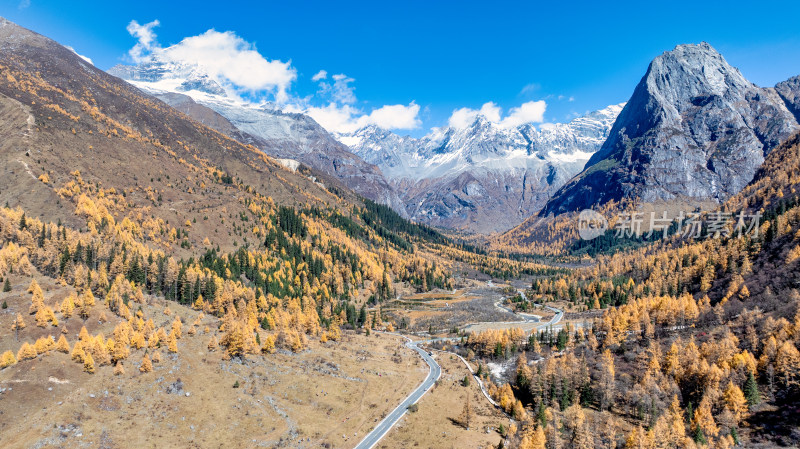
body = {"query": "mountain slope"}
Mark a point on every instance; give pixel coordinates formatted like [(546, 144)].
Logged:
[(114, 193), (92, 152), (171, 261), (66, 117), (693, 128), (279, 134), (482, 178)]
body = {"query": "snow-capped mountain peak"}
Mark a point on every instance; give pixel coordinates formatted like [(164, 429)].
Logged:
[(484, 177), (169, 77), (483, 142)]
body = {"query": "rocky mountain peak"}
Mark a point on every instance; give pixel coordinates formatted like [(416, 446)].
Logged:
[(697, 73), (694, 127)]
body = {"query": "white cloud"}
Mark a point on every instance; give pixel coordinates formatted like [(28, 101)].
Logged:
[(321, 75), (85, 58), (395, 116), (340, 91), (146, 37), (334, 118), (344, 119), (464, 117), (226, 57), (530, 88), (530, 112), (340, 116), (24, 4)]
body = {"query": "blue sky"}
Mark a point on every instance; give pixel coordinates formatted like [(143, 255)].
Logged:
[(443, 56)]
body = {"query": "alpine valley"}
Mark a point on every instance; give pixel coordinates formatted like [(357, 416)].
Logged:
[(186, 264)]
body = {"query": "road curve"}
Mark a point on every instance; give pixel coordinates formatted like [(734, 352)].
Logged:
[(372, 438), (559, 314)]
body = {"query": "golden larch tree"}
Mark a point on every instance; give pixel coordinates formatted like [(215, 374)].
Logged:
[(67, 306), (7, 359), (18, 325), (88, 363), (146, 365), (172, 342), (735, 401), (62, 345), (704, 419), (26, 352)]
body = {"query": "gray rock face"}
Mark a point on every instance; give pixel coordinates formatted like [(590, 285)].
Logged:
[(693, 128), (278, 134), (483, 178), (789, 91)]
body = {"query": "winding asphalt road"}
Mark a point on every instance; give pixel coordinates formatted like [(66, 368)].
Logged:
[(391, 419), (559, 314), (372, 438)]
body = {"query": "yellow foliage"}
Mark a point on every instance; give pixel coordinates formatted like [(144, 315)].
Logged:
[(78, 354), (172, 342), (7, 359), (88, 364), (26, 352), (146, 366), (62, 345), (44, 344)]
